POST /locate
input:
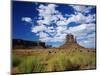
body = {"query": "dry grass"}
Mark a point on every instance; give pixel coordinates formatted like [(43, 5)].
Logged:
[(47, 60)]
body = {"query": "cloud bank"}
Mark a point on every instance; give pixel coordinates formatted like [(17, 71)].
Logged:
[(53, 26)]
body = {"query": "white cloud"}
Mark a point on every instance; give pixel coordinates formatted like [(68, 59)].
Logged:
[(77, 28), (89, 42), (46, 12), (55, 39), (61, 22), (81, 8), (49, 13), (80, 18), (90, 27), (51, 29), (82, 29), (59, 37), (90, 18), (91, 35), (61, 29), (27, 19), (39, 28), (43, 35)]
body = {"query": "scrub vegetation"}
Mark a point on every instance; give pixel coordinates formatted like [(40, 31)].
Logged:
[(52, 60)]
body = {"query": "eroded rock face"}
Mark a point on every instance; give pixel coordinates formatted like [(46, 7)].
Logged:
[(23, 44), (70, 42), (70, 39)]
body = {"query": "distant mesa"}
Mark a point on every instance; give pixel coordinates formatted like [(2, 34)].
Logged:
[(23, 44)]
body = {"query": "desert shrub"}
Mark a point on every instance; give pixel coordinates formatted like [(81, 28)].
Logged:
[(52, 65), (26, 66), (16, 60), (83, 60), (39, 68), (64, 62), (59, 63), (90, 61), (31, 64)]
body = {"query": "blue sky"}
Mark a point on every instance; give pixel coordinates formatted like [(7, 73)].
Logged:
[(50, 22)]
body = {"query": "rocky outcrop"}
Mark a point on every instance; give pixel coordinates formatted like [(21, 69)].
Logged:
[(23, 44), (71, 42)]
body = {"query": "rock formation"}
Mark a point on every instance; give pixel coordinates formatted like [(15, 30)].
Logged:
[(70, 42), (23, 44), (70, 39)]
